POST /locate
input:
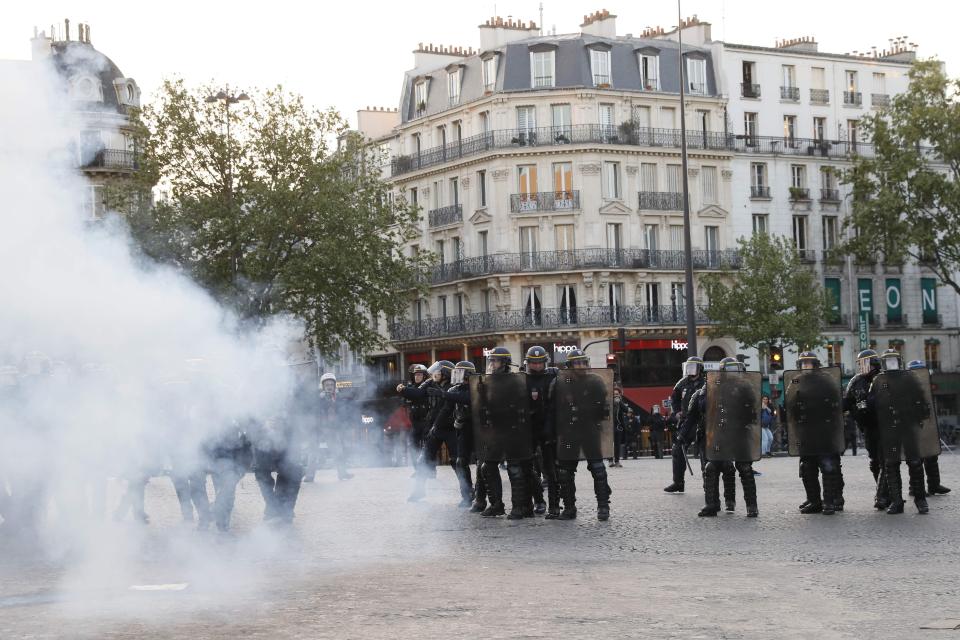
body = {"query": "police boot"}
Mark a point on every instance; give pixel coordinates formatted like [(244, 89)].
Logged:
[(883, 497), (536, 491), (491, 476), (479, 491), (553, 508), (811, 485), (466, 486), (932, 467), (729, 490), (519, 497), (568, 491), (831, 490), (711, 491), (674, 487), (915, 471), (838, 500), (749, 488), (894, 489), (601, 488)]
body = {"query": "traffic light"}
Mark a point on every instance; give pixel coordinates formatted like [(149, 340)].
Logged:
[(621, 344), (776, 358)]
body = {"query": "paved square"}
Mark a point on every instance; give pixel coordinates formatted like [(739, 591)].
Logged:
[(360, 562)]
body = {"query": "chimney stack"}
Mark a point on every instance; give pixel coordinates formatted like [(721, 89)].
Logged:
[(66, 28), (600, 23)]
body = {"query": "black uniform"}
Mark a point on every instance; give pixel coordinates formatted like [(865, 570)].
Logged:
[(890, 477), (458, 396), (678, 403), (712, 469), (440, 417), (230, 456), (278, 447), (656, 425), (855, 403), (418, 408), (539, 385)]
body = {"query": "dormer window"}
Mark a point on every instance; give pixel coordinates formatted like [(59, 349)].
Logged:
[(489, 73), (696, 75), (649, 61), (542, 69), (87, 89), (420, 97), (600, 66), (453, 87)]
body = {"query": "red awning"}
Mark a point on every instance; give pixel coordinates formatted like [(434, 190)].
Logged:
[(646, 397)]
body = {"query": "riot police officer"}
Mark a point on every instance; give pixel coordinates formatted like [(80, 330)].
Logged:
[(697, 413), (691, 381), (891, 360), (417, 408), (335, 419), (499, 360), (458, 398), (539, 378), (567, 469), (812, 466), (855, 404), (931, 465), (440, 418)]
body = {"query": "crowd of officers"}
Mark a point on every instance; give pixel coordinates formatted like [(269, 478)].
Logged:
[(439, 402), (859, 400), (48, 461)]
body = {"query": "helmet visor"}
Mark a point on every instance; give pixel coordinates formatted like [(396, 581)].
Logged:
[(891, 363), (691, 368), (864, 366), (457, 376)]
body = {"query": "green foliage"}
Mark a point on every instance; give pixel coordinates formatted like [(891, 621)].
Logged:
[(772, 298), (906, 199), (279, 219)]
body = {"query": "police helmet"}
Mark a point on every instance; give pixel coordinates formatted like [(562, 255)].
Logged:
[(731, 364), (577, 359), (891, 360), (498, 358), (867, 361), (808, 356), (461, 371), (443, 367), (693, 366)]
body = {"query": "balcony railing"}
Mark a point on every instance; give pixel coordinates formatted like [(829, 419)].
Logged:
[(852, 98), (631, 136), (540, 319), (542, 81), (807, 256), (661, 200), (748, 90), (600, 79), (760, 192), (798, 194), (446, 215), (829, 195), (545, 201), (577, 260), (880, 99), (790, 93), (113, 159), (820, 96)]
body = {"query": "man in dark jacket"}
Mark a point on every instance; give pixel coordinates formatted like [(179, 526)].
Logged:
[(693, 379), (656, 426), (440, 418)]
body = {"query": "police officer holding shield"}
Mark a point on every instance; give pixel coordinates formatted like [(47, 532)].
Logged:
[(540, 377), (692, 380), (855, 404)]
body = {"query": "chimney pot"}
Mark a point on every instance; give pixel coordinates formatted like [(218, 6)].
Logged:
[(66, 25)]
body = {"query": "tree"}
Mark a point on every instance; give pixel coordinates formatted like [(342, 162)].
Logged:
[(906, 197), (278, 218), (773, 298)]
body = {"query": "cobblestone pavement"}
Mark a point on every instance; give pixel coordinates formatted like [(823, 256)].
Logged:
[(360, 562)]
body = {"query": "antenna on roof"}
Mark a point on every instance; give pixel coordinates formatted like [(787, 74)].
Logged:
[(541, 18)]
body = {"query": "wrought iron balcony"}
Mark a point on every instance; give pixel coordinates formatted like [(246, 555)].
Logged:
[(542, 81), (880, 100), (698, 88), (446, 215), (854, 98), (545, 201), (114, 159), (807, 256), (748, 90), (600, 79), (544, 319), (661, 200), (820, 96), (790, 93), (760, 192), (829, 195), (798, 194), (578, 260)]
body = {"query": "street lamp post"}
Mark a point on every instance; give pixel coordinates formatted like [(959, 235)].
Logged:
[(228, 99), (687, 250)]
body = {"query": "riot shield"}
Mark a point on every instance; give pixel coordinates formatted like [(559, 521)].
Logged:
[(501, 417), (733, 415), (814, 412), (905, 414), (583, 418)]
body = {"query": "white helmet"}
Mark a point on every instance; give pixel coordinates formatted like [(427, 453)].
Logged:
[(327, 376)]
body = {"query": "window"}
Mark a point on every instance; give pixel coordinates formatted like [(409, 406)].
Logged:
[(880, 83), (758, 174), (750, 127), (527, 179), (442, 136), (615, 299), (567, 301), (931, 355), (93, 204), (482, 188), (668, 118), (674, 178), (563, 237), (414, 196), (749, 87), (830, 232), (676, 237), (760, 223), (562, 179), (651, 236), (650, 72), (600, 65), (800, 234), (749, 72), (489, 71), (834, 351), (712, 238), (528, 246), (641, 116), (526, 125), (414, 251), (677, 296), (819, 129), (818, 78), (435, 192), (453, 88), (487, 307), (457, 252), (614, 236), (652, 294), (798, 176), (482, 243), (828, 184), (789, 75), (607, 128), (560, 116), (441, 251), (485, 122), (790, 131), (852, 127), (851, 81), (611, 180), (541, 69), (417, 143), (697, 75), (420, 97), (442, 306), (648, 176), (532, 306), (708, 184), (454, 191)]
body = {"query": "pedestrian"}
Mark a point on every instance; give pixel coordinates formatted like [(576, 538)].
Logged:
[(767, 421), (656, 425), (620, 425)]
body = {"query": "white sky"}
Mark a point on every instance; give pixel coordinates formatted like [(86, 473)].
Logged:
[(353, 54)]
